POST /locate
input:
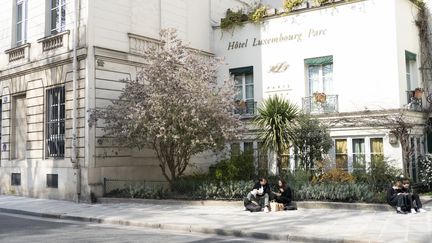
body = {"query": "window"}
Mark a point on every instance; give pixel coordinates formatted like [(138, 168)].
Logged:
[(376, 149), (19, 127), (320, 74), (16, 179), (359, 159), (244, 86), (248, 148), (410, 65), (235, 149), (56, 122), (341, 154), (52, 180), (21, 22), (58, 16)]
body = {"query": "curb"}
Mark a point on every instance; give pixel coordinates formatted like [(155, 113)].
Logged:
[(108, 200), (184, 228)]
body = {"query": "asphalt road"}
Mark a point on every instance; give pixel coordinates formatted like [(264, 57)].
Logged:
[(17, 228)]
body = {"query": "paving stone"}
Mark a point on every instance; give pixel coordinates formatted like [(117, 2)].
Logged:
[(315, 225)]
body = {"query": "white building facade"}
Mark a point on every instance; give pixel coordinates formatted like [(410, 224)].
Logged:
[(54, 71), (46, 97), (351, 64)]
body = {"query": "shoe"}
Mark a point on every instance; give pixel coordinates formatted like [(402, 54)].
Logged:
[(266, 210), (413, 211), (400, 212), (421, 210)]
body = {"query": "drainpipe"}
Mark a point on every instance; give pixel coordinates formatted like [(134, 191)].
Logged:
[(77, 167), (160, 16)]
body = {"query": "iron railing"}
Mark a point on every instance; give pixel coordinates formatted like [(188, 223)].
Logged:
[(323, 104), (56, 122), (118, 187), (246, 108)]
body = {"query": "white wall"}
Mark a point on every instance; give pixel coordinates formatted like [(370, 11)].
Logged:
[(37, 28), (407, 40), (361, 36)]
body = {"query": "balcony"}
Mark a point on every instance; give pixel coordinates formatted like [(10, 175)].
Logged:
[(414, 99), (320, 103), (18, 53), (55, 41), (139, 44), (245, 108)]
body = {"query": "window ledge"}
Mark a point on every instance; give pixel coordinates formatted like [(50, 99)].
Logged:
[(54, 41), (19, 52)]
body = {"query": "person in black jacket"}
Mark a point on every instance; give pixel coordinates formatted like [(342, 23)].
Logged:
[(415, 198), (283, 195), (395, 197), (260, 192)]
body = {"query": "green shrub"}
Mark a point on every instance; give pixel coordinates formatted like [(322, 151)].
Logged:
[(233, 19), (298, 179), (340, 192), (139, 190), (289, 5), (425, 171), (337, 175), (211, 189), (239, 167), (381, 175), (258, 14)]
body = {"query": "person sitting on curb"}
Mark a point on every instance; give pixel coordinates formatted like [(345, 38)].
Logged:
[(397, 199), (260, 192), (415, 198), (283, 195)]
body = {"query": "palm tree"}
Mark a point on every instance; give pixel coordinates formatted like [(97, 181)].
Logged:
[(274, 120)]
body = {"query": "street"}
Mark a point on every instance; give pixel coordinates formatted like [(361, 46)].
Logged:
[(17, 228)]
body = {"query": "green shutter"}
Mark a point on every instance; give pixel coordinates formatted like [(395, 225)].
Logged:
[(242, 70), (410, 56), (319, 60)]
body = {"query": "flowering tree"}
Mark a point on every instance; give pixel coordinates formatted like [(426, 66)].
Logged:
[(175, 107)]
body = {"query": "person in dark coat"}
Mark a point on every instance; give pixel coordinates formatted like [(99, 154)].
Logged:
[(415, 198), (260, 192), (396, 198), (284, 194)]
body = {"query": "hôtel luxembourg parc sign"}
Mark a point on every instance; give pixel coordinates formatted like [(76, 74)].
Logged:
[(283, 37)]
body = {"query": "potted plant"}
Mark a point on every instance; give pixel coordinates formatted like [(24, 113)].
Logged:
[(289, 5), (322, 2), (319, 97), (258, 14), (418, 93)]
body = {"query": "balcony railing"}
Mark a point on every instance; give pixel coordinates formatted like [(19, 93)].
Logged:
[(414, 100), (54, 41), (139, 44), (245, 108), (18, 53), (322, 104)]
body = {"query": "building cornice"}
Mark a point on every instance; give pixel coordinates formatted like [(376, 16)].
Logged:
[(39, 65)]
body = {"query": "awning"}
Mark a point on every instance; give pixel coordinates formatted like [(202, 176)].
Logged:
[(410, 56), (319, 60), (242, 70)]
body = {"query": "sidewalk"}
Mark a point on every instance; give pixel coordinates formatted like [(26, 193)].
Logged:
[(304, 225)]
